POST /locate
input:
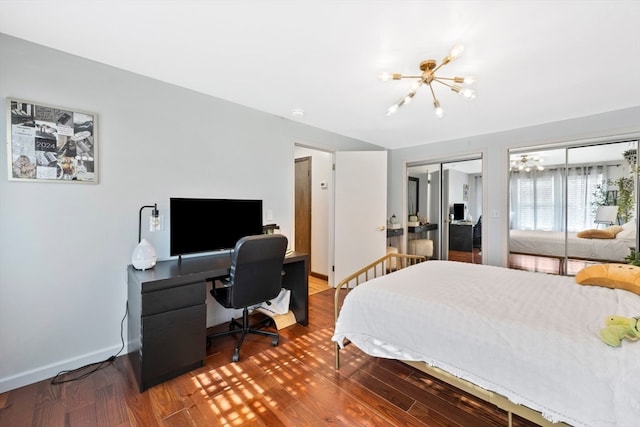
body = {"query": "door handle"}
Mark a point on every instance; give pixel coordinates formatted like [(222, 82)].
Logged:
[(381, 228)]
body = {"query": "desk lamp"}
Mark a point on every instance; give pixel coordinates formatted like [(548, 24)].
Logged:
[(144, 255)]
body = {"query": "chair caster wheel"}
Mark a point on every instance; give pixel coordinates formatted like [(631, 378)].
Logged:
[(236, 356), (275, 342)]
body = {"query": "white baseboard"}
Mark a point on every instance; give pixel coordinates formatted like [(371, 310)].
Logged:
[(42, 373)]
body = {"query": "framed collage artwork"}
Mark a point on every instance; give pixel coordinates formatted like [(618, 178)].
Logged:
[(46, 143)]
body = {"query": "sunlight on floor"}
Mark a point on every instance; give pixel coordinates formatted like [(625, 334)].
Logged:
[(231, 392)]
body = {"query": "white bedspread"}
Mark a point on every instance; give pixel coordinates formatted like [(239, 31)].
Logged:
[(551, 243), (531, 337)]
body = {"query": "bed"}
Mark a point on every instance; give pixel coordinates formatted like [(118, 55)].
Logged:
[(552, 244), (527, 342)]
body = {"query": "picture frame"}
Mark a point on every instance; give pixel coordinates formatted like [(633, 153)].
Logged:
[(465, 192), (47, 143)]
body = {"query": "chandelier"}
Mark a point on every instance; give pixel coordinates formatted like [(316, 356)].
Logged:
[(429, 68), (527, 164)]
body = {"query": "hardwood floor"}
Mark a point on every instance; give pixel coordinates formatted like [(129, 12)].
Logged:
[(474, 257), (317, 285), (293, 384), (546, 264)]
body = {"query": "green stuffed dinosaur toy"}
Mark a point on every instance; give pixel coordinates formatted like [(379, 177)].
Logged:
[(619, 327)]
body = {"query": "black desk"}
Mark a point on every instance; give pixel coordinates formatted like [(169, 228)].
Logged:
[(167, 322), (395, 233), (422, 228), (461, 236)]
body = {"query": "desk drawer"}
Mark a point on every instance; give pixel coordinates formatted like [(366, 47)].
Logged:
[(173, 298), (172, 341)]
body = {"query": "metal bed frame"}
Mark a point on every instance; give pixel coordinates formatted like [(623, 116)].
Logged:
[(393, 262)]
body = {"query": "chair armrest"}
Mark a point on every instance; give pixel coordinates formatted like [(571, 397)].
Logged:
[(222, 282)]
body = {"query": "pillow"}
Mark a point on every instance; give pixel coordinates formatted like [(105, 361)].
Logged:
[(628, 230), (607, 233), (615, 276)]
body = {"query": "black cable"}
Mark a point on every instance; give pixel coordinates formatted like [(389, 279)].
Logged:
[(96, 365)]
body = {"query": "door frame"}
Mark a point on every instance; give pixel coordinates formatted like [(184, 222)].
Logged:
[(331, 207), (308, 208)]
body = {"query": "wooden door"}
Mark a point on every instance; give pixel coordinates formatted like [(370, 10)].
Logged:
[(303, 205)]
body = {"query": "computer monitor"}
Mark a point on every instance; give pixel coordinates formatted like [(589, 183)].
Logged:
[(458, 211), (208, 225)]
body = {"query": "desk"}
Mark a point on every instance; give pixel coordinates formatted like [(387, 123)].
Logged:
[(461, 236), (422, 229), (395, 233), (167, 322)]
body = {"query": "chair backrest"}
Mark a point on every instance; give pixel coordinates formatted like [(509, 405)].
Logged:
[(606, 215), (256, 269)]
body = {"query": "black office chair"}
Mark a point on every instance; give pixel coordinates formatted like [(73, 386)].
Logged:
[(477, 234), (255, 277)]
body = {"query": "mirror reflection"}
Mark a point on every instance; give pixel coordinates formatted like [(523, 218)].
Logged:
[(572, 207), (448, 220)]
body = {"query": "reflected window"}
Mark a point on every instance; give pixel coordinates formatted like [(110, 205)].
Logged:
[(553, 207)]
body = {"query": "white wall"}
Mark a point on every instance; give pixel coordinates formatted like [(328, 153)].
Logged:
[(496, 164), (64, 248), (457, 180)]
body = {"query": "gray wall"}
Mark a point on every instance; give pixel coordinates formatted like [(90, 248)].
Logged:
[(64, 248), (494, 148)]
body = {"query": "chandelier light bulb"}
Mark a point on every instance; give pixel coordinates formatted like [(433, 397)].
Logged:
[(456, 51), (392, 109), (409, 97), (469, 80), (468, 93), (385, 76), (439, 111)]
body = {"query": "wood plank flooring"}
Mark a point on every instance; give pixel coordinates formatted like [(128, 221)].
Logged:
[(545, 264), (293, 384), (473, 257), (317, 285)]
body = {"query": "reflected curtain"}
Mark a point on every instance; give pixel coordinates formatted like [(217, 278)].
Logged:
[(581, 186), (537, 198)]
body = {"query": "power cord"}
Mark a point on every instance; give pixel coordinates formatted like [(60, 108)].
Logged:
[(96, 365)]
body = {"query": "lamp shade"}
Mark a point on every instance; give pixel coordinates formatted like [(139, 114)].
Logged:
[(143, 256)]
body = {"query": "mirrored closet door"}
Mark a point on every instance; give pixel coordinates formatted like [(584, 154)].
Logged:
[(445, 210), (572, 206)]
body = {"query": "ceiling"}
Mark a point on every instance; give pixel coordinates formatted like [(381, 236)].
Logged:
[(535, 61)]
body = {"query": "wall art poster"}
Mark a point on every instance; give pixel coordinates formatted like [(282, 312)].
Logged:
[(51, 144)]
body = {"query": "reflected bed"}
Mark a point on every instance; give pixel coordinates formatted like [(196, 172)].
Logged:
[(551, 244)]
